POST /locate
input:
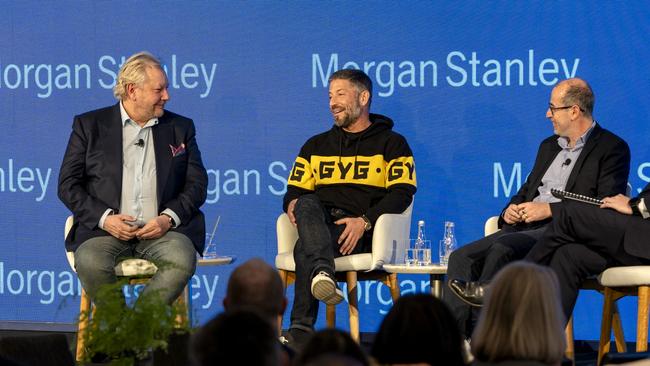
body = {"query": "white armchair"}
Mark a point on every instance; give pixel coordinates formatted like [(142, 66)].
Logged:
[(388, 246), (619, 282)]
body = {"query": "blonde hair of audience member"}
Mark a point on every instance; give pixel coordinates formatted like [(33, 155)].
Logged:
[(522, 318), (134, 72)]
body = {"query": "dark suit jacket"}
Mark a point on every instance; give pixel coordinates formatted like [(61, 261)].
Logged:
[(90, 179), (601, 169)]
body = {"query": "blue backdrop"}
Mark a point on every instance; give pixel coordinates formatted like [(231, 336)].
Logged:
[(467, 83)]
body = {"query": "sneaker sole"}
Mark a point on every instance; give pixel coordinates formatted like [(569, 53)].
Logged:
[(327, 292)]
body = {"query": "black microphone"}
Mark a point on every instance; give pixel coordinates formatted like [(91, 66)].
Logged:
[(140, 143), (566, 162)]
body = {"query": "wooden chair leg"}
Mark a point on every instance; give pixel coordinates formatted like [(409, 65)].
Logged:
[(394, 287), (606, 324), (84, 319), (182, 318), (619, 338), (568, 334), (188, 302), (351, 278), (390, 280), (330, 315), (283, 276), (642, 319)]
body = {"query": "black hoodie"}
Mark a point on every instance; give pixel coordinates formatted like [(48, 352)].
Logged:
[(369, 172)]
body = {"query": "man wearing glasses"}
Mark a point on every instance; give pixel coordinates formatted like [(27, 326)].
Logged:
[(581, 157)]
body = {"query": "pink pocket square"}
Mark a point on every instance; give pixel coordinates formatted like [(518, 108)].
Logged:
[(176, 151)]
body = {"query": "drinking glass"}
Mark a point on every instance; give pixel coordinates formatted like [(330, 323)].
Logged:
[(424, 254), (443, 253), (411, 258)]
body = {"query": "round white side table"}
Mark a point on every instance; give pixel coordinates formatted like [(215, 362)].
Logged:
[(436, 274)]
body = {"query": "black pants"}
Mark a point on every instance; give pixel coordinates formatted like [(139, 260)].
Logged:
[(481, 260), (315, 251), (582, 240)]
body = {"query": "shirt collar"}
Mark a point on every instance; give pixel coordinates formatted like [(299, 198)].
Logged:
[(125, 118), (564, 142)]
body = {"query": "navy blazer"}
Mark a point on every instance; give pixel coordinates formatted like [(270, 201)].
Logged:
[(601, 169), (90, 178)]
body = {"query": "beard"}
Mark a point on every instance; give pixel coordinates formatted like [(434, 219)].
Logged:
[(350, 115)]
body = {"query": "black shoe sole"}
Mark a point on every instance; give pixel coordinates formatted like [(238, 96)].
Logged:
[(453, 291)]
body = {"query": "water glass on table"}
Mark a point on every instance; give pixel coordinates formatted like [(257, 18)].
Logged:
[(410, 257), (210, 250), (418, 253), (443, 252)]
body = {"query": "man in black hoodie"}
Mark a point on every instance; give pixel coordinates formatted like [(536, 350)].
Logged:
[(341, 182)]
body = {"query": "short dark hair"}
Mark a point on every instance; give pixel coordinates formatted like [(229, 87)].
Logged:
[(418, 328), (331, 342), (580, 94), (357, 77), (235, 338), (256, 286)]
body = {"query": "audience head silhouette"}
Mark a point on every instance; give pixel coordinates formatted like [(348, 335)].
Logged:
[(256, 286), (522, 318), (236, 338), (332, 347), (418, 329)]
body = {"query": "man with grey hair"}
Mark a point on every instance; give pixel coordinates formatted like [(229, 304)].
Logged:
[(580, 157), (133, 177)]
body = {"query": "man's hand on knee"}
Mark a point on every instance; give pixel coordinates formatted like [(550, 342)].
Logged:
[(354, 229), (155, 228), (117, 226), (534, 211), (290, 208), (511, 215), (619, 203)]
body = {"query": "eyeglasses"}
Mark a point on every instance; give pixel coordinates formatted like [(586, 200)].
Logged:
[(553, 108)]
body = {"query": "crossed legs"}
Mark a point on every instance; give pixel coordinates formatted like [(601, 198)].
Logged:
[(480, 261)]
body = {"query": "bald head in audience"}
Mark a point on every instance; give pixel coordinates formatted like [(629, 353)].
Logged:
[(256, 286)]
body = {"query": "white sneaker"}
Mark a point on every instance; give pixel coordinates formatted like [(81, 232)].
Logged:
[(324, 289)]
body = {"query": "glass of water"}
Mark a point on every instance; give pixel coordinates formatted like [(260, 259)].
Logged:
[(443, 253), (424, 254), (411, 257), (210, 250)]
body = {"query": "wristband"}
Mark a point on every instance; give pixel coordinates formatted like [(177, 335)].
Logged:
[(634, 205), (367, 224), (171, 220)]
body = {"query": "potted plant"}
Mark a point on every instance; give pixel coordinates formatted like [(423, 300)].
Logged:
[(128, 335)]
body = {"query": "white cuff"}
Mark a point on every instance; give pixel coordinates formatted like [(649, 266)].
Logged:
[(109, 211), (172, 214), (643, 209)]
